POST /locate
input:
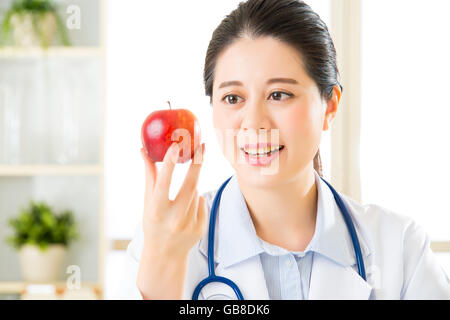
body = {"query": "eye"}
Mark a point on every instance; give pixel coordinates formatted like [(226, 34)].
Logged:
[(232, 97), (277, 95)]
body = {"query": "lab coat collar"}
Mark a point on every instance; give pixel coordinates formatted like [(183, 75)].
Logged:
[(234, 219), (334, 241), (238, 258)]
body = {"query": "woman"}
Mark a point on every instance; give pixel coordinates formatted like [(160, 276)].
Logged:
[(271, 68)]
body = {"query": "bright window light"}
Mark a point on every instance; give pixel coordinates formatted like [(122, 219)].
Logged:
[(155, 52), (405, 110)]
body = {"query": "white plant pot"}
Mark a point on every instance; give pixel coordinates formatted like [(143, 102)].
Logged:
[(41, 266), (26, 34)]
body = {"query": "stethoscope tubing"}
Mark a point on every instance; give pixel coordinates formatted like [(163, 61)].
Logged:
[(351, 231), (211, 234)]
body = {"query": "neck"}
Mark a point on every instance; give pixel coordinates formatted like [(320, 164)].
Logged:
[(286, 215)]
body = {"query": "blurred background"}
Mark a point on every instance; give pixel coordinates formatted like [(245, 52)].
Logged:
[(79, 77)]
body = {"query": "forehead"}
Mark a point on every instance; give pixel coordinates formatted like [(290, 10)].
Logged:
[(256, 60)]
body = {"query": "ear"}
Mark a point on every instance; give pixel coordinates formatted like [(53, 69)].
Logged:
[(332, 106)]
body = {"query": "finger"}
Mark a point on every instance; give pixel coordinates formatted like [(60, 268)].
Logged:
[(191, 212), (162, 185), (189, 185), (150, 172), (200, 220)]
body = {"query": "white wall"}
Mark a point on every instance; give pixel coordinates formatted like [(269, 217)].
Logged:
[(405, 110), (155, 52)]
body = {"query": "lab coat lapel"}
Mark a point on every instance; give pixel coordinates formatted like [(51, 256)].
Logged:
[(248, 275), (330, 280), (238, 259), (332, 275)]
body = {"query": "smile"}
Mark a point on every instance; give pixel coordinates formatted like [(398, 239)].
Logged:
[(261, 149), (261, 156)]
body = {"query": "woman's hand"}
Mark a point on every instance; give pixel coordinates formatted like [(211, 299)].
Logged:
[(171, 227)]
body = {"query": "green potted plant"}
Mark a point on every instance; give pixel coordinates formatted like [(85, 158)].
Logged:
[(42, 238), (32, 23)]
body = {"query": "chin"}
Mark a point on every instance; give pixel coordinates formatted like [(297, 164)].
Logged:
[(260, 173), (256, 177)]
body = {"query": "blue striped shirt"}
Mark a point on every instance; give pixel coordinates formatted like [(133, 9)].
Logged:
[(287, 273)]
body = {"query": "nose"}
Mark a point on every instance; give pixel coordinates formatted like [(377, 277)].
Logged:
[(255, 117)]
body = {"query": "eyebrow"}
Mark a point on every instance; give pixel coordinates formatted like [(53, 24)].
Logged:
[(270, 81)]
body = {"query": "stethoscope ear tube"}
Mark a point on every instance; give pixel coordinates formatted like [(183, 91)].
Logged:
[(212, 276), (212, 225), (211, 234), (351, 230)]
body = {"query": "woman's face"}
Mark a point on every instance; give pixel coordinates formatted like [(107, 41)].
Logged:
[(250, 109)]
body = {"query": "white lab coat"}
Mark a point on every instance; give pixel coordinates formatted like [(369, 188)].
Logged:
[(397, 256)]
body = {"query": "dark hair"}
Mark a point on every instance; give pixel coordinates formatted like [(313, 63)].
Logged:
[(290, 21)]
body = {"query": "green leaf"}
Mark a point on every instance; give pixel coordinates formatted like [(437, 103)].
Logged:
[(38, 224), (37, 9)]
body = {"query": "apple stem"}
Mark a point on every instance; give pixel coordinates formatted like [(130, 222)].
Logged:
[(170, 107)]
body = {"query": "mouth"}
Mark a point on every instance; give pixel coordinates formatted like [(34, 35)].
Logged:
[(261, 149), (261, 155)]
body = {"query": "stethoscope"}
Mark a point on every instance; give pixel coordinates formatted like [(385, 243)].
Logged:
[(212, 223)]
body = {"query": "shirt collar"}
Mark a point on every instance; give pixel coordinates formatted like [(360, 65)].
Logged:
[(236, 238)]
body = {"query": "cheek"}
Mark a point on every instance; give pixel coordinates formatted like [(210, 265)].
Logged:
[(225, 128), (216, 118), (299, 123), (302, 127), (222, 119)]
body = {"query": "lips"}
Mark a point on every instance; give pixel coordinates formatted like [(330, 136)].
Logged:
[(262, 160), (261, 149)]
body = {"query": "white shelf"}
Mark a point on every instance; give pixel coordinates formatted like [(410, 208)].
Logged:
[(80, 187), (37, 52), (58, 170), (19, 286), (90, 290)]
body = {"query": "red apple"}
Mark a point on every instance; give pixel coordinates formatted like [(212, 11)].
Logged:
[(161, 128)]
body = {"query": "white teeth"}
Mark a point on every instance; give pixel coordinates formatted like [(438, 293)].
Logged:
[(261, 151)]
